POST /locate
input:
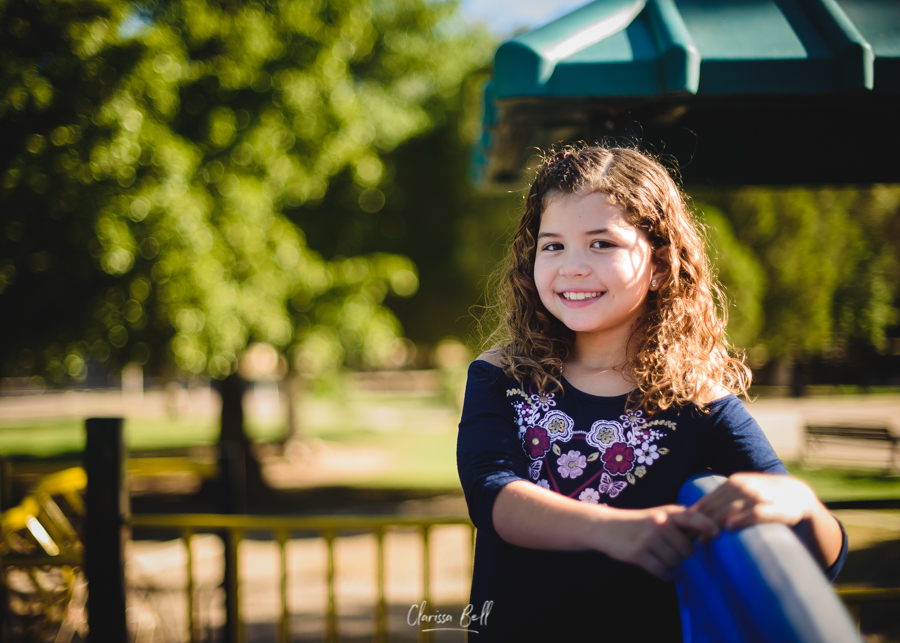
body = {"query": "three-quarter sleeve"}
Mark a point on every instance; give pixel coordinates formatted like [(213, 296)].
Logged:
[(735, 443), (488, 453)]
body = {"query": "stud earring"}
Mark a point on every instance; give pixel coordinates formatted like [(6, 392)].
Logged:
[(653, 283)]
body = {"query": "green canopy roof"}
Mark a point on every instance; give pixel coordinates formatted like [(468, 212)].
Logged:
[(738, 91)]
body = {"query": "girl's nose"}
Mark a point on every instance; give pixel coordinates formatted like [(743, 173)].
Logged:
[(574, 265)]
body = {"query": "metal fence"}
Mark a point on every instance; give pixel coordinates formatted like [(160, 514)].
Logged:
[(329, 528), (234, 528)]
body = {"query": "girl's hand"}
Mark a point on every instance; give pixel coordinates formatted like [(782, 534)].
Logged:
[(656, 539), (751, 498)]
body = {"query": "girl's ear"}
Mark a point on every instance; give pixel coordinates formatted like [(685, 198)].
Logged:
[(661, 268)]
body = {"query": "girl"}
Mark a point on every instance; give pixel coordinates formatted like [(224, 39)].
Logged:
[(612, 384)]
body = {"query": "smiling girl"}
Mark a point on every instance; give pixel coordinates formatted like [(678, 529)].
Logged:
[(610, 383)]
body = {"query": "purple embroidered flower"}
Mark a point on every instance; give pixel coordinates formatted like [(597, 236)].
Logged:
[(571, 464), (632, 419), (590, 496), (544, 400), (543, 483), (647, 453), (535, 441), (619, 458)]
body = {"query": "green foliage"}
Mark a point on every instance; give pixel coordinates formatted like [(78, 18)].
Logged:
[(147, 159), (831, 261), (741, 275), (427, 211)]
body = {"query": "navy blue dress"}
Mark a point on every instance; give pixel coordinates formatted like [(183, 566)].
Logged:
[(596, 450)]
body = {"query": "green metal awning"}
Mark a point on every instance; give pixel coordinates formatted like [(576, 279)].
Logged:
[(738, 91)]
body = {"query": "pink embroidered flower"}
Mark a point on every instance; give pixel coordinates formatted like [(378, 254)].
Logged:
[(571, 464), (632, 419), (535, 441), (544, 400), (590, 496), (619, 458)]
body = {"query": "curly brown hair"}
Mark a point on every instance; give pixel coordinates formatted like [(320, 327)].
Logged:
[(678, 352)]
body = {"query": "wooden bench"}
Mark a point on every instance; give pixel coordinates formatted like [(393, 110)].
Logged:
[(815, 433)]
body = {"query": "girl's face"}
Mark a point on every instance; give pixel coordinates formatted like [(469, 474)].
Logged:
[(592, 268)]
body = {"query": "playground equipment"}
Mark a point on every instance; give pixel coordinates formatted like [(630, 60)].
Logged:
[(41, 554), (756, 584)]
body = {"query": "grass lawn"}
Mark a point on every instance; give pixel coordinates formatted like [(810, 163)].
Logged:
[(49, 439), (419, 459), (841, 484)]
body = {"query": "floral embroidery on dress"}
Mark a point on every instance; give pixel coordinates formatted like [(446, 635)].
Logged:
[(536, 442), (544, 400), (526, 412), (571, 464), (590, 496), (604, 433), (618, 459), (623, 450), (632, 419), (647, 453), (558, 425)]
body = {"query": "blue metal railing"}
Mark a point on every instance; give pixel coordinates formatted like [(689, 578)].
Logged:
[(756, 584)]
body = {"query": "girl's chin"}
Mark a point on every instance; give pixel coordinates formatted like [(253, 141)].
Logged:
[(594, 327)]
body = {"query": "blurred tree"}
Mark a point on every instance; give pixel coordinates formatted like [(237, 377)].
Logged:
[(739, 271), (831, 263), (427, 210), (147, 152)]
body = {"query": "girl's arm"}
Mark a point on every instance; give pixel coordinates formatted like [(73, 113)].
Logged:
[(752, 498), (734, 442), (656, 539)]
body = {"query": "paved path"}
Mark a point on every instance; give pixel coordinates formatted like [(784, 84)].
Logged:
[(783, 419)]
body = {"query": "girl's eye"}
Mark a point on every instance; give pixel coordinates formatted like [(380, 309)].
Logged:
[(602, 244), (552, 246)]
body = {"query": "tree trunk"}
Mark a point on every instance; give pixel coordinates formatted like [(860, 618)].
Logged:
[(290, 389), (799, 378), (234, 442)]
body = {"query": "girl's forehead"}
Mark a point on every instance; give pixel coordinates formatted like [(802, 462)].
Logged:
[(587, 207)]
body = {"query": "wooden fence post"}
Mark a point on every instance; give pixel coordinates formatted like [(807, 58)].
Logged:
[(232, 499), (105, 529)]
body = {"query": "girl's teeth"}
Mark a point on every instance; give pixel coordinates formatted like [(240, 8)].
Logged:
[(578, 296)]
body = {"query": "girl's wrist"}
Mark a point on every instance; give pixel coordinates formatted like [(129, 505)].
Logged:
[(602, 531)]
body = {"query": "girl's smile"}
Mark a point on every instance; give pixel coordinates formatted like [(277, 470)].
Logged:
[(572, 296), (592, 267)]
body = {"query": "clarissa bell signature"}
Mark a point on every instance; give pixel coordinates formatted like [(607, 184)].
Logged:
[(418, 615)]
